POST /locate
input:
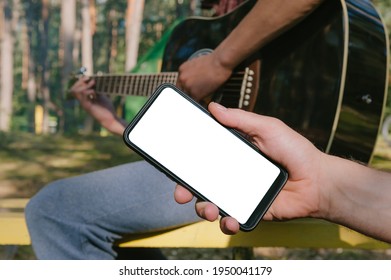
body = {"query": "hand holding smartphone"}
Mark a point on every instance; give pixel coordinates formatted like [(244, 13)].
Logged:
[(217, 164)]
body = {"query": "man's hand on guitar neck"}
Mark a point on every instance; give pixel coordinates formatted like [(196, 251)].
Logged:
[(98, 106)]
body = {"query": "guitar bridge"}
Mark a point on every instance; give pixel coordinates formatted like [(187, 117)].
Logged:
[(250, 86), (241, 90)]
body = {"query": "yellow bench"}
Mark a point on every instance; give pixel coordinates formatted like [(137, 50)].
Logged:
[(13, 229), (301, 233)]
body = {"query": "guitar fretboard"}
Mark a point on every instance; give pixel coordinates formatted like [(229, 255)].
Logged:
[(238, 91), (132, 84)]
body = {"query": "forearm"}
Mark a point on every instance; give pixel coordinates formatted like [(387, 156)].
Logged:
[(267, 20), (115, 126), (359, 198)]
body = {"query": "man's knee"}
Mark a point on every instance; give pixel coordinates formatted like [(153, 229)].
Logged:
[(34, 209), (41, 205)]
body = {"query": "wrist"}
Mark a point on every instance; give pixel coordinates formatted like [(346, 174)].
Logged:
[(345, 189), (326, 187), (115, 125), (225, 58)]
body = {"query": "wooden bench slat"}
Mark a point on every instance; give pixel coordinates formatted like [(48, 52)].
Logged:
[(13, 229), (12, 203), (301, 233)]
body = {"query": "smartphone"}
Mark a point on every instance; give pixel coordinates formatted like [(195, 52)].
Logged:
[(217, 164)]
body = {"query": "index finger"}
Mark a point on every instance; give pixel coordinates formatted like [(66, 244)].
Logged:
[(182, 195), (246, 122)]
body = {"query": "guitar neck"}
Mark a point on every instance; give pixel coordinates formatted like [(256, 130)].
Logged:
[(239, 91), (132, 84)]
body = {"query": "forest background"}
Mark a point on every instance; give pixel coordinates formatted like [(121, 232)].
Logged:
[(44, 42), (43, 135)]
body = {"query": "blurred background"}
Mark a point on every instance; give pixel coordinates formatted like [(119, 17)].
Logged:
[(45, 136), (45, 42)]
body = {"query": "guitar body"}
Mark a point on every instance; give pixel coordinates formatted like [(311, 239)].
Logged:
[(326, 77)]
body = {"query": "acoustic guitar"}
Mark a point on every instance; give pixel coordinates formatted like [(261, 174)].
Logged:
[(325, 78)]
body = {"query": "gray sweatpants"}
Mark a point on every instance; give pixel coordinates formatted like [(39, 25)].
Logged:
[(81, 217)]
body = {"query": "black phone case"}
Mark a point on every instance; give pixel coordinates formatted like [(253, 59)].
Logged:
[(264, 204)]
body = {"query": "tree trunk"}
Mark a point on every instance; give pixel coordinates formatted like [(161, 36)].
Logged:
[(68, 23), (87, 7), (7, 77), (29, 83), (44, 64), (134, 17), (86, 41)]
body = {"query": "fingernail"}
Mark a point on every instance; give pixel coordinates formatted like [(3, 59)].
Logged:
[(219, 106)]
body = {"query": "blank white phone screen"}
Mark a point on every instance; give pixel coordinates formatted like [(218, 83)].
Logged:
[(204, 154)]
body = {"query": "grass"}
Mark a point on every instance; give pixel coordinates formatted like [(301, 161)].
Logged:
[(29, 162)]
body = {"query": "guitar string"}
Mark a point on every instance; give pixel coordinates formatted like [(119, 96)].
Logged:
[(115, 84)]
